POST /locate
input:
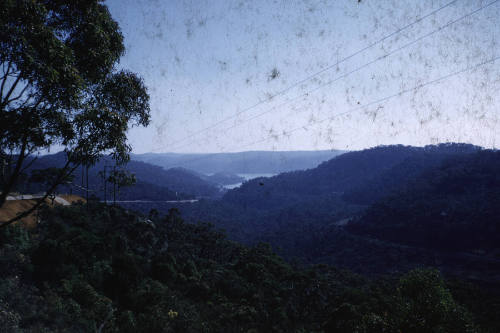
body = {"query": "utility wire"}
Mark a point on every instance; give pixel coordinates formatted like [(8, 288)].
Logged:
[(357, 69), (381, 100), (361, 107), (297, 83)]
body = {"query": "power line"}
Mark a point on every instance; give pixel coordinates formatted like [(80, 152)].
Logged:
[(297, 83), (381, 100), (361, 107), (357, 69)]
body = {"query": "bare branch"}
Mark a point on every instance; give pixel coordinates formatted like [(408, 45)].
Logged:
[(29, 98), (20, 94), (5, 74), (11, 89), (4, 79)]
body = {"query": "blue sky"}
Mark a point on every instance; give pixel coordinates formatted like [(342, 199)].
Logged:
[(206, 63)]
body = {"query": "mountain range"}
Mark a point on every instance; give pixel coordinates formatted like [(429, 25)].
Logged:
[(379, 210), (249, 162)]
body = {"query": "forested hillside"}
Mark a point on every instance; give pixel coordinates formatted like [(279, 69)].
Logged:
[(372, 172), (89, 267), (103, 268), (380, 210), (258, 206), (454, 207), (153, 182)]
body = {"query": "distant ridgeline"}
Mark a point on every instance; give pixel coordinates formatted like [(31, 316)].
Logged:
[(152, 182), (253, 162), (167, 177), (383, 209)]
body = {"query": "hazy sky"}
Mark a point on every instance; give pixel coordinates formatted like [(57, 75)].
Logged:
[(212, 68)]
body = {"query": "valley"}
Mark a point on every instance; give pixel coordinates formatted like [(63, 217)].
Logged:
[(252, 166), (385, 213)]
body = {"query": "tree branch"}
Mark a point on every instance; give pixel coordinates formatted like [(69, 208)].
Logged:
[(4, 79), (30, 163), (41, 200), (18, 96), (5, 72), (11, 90), (27, 100), (15, 175)]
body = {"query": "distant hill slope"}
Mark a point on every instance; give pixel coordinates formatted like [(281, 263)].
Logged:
[(243, 162), (219, 178), (455, 206), (383, 209), (153, 182), (359, 176)]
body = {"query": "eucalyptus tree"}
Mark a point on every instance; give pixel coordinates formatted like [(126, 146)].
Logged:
[(60, 86)]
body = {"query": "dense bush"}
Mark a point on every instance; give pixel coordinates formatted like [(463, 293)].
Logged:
[(109, 270)]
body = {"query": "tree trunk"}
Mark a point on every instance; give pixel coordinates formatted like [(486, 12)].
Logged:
[(15, 175)]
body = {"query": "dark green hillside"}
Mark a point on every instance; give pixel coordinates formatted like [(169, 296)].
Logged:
[(153, 182), (455, 206), (110, 270), (399, 174), (288, 209), (390, 239), (186, 181), (361, 175), (131, 273), (431, 210)]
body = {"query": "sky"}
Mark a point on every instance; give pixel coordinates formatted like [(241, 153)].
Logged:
[(228, 76)]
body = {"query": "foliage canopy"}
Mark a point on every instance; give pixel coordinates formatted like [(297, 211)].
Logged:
[(60, 86)]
